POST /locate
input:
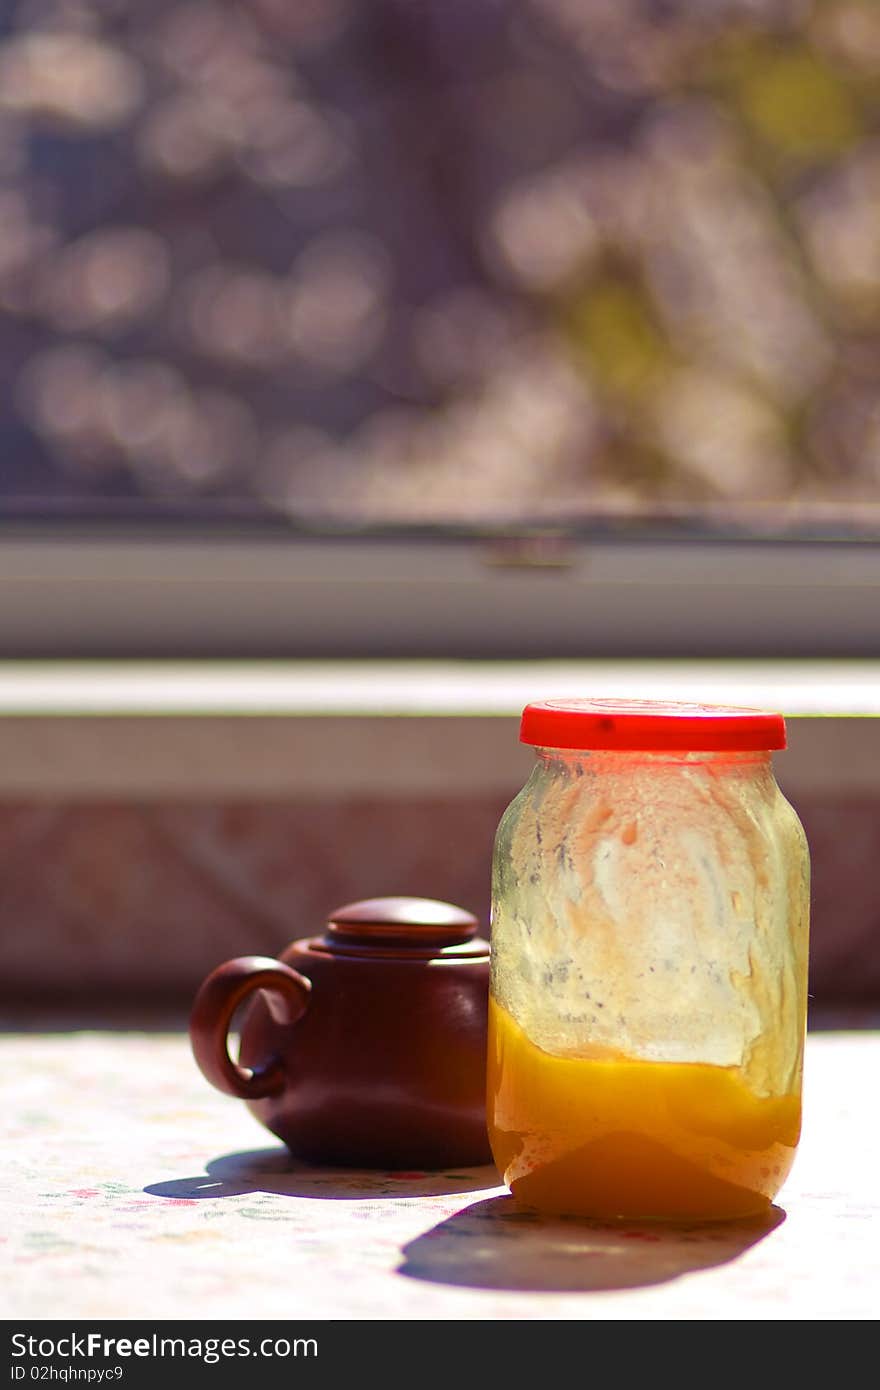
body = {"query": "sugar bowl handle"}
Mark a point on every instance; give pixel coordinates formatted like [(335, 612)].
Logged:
[(216, 1002)]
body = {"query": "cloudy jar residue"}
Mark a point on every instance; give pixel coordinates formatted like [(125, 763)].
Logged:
[(649, 979)]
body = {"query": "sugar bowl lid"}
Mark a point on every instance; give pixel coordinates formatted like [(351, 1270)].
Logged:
[(406, 924)]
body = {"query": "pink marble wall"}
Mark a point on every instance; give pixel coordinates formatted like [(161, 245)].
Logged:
[(142, 900), (148, 898)]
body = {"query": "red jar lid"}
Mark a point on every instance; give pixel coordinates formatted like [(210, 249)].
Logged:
[(650, 725)]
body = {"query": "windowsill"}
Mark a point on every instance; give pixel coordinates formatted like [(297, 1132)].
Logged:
[(798, 687), (156, 819), (276, 729)]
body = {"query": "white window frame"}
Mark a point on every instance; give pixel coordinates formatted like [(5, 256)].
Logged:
[(126, 590)]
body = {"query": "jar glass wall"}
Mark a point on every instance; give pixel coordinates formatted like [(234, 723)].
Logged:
[(649, 984)]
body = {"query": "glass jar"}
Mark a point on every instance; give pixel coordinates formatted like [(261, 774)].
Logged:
[(650, 904)]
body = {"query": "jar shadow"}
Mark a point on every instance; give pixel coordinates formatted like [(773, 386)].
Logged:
[(495, 1244), (275, 1170)]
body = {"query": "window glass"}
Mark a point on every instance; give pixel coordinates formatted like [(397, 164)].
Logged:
[(434, 261)]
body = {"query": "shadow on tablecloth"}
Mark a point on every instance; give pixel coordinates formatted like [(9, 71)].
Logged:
[(275, 1170), (496, 1245)]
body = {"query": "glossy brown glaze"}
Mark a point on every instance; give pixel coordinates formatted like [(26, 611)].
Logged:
[(365, 1046)]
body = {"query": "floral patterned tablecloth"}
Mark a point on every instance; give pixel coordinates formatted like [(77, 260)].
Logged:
[(132, 1190)]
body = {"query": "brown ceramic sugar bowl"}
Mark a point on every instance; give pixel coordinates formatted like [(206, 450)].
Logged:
[(363, 1047)]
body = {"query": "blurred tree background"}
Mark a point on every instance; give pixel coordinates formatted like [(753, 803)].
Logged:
[(366, 261)]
